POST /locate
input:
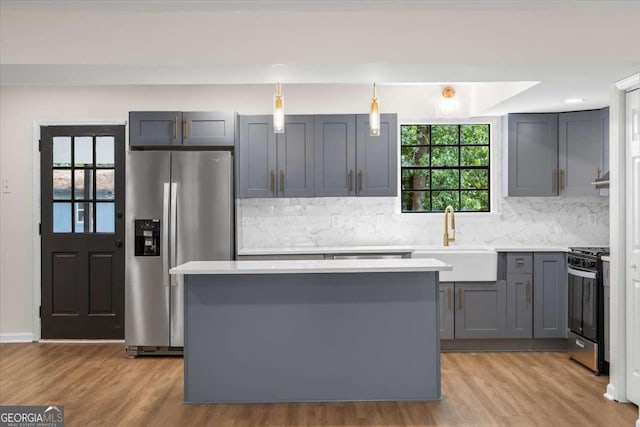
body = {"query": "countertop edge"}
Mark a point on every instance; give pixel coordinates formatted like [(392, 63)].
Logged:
[(309, 267)]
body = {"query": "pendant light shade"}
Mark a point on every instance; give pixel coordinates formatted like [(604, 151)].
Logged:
[(374, 114), (278, 110)]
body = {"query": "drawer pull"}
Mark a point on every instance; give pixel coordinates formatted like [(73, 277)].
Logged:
[(519, 262), (579, 343)]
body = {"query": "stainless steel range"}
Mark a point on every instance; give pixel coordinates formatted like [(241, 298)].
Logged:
[(586, 308)]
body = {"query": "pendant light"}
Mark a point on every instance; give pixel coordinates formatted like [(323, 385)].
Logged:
[(278, 110), (374, 114)]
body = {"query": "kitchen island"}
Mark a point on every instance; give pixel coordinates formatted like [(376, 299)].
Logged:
[(311, 330)]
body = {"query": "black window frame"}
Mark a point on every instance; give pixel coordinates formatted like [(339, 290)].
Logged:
[(459, 167)]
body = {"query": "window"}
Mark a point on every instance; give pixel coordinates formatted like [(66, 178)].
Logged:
[(83, 184), (445, 164)]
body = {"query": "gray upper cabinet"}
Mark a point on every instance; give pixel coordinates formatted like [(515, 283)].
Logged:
[(533, 154), (550, 295), (377, 157), (208, 129), (604, 156), (446, 311), (519, 306), (480, 310), (167, 128), (335, 155), (581, 152), (155, 128), (275, 165), (296, 157), (256, 157)]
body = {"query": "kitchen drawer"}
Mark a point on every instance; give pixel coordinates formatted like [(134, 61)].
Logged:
[(520, 263)]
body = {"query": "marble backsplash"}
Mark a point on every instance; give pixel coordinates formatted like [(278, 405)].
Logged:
[(351, 221)]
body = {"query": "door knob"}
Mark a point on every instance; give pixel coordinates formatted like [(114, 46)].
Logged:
[(119, 214), (118, 243), (633, 266)]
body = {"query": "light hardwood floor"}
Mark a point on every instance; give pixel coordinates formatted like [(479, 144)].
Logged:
[(98, 385)]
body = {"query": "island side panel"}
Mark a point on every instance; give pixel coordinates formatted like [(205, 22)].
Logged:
[(311, 337)]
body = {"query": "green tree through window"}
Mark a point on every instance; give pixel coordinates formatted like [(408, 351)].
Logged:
[(445, 165)]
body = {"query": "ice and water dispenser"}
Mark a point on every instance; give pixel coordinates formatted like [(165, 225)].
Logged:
[(147, 237)]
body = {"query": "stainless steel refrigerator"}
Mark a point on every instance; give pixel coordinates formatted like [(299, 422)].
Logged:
[(179, 209)]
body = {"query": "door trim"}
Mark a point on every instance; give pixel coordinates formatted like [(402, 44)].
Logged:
[(617, 387), (36, 273)]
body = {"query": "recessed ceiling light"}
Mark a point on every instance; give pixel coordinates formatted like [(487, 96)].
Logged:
[(574, 100)]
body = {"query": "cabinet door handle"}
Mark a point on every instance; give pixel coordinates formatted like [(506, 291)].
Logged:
[(554, 179), (519, 261), (351, 180), (449, 299), (459, 299), (273, 179), (282, 181), (528, 290), (184, 128), (561, 180), (360, 180), (175, 128)]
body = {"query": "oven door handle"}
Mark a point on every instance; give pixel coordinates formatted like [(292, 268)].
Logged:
[(580, 273)]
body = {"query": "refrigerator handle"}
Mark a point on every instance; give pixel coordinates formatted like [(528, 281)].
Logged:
[(165, 234), (173, 226)]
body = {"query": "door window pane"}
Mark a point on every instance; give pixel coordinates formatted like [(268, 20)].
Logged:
[(61, 151), (104, 151), (105, 184), (83, 184), (83, 151), (62, 217), (105, 217), (83, 217), (61, 184)]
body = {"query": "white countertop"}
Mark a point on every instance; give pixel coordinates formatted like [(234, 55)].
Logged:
[(606, 258), (531, 249), (316, 250), (397, 249), (311, 266)]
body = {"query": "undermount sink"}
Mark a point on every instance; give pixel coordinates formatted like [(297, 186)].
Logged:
[(469, 264)]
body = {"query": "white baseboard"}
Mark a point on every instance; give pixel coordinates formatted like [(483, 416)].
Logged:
[(16, 337), (610, 393)]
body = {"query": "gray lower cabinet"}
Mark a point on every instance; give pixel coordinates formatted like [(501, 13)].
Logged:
[(519, 306), (377, 157), (275, 165), (549, 295), (533, 154), (480, 310), (581, 142), (208, 128), (167, 128), (446, 311), (335, 155), (155, 128)]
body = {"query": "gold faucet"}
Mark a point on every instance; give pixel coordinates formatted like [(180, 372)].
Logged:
[(449, 210)]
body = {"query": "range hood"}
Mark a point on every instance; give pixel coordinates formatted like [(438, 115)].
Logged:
[(602, 182)]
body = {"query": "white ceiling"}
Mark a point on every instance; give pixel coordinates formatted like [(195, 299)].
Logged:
[(573, 48)]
